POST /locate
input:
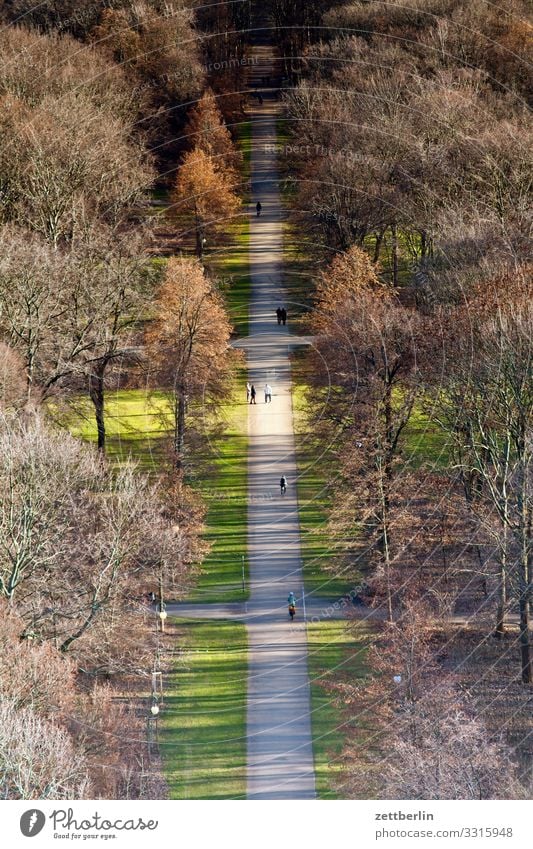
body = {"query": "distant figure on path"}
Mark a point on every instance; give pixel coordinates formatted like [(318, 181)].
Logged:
[(248, 392), (268, 393), (292, 605), (260, 100), (283, 484), (258, 208), (284, 315), (252, 394), (278, 313)]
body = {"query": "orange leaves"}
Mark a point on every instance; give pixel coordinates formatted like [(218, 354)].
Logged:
[(190, 332), (204, 189), (207, 131)]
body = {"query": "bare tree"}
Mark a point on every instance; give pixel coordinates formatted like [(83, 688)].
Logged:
[(71, 315), (486, 397), (368, 350), (38, 759), (78, 541)]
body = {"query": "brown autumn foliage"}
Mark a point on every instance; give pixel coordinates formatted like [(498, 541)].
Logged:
[(69, 155), (188, 341), (414, 732), (204, 196), (206, 130), (81, 542), (63, 737), (13, 387), (156, 45), (420, 142)]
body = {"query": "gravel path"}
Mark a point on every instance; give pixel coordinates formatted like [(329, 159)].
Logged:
[(280, 755)]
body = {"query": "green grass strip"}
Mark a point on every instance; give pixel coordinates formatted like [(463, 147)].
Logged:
[(314, 470), (224, 485), (136, 423), (335, 653), (202, 734)]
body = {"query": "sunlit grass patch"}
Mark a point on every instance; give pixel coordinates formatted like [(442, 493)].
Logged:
[(137, 422), (202, 733), (224, 485), (336, 652)]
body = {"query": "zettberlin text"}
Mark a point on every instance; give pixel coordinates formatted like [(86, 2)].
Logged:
[(400, 815)]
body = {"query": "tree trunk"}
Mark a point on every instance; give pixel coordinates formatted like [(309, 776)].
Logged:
[(502, 602), (95, 609), (199, 231), (96, 393), (377, 247), (384, 542), (179, 425), (394, 234), (423, 245), (525, 640), (502, 585)]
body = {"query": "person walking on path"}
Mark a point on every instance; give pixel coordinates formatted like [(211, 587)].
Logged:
[(258, 208), (278, 314), (248, 392), (284, 316), (252, 394), (268, 393), (283, 484)]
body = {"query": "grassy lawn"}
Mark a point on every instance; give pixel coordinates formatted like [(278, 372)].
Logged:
[(335, 653), (314, 469), (244, 139), (136, 422), (425, 444), (223, 483), (230, 266), (202, 733)]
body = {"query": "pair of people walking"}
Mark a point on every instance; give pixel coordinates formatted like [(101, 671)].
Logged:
[(281, 315), (251, 393)]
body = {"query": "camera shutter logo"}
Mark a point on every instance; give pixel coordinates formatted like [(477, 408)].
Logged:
[(32, 822)]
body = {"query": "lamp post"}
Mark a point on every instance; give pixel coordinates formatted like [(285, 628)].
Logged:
[(157, 687), (154, 710), (152, 717), (162, 612)]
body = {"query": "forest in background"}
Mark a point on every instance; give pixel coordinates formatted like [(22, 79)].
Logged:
[(104, 108), (408, 166)]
